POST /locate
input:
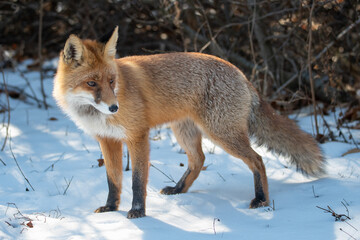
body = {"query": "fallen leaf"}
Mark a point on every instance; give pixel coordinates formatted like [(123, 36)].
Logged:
[(30, 224), (101, 162)]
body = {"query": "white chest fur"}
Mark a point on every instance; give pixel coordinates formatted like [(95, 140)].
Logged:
[(90, 120), (96, 125)]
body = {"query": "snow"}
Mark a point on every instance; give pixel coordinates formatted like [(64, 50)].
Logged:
[(60, 163)]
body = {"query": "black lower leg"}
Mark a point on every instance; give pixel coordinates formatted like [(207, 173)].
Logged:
[(113, 199), (138, 204), (178, 187), (260, 198)]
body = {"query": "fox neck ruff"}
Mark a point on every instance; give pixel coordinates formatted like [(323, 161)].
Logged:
[(92, 121)]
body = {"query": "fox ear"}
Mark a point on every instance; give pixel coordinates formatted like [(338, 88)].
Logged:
[(110, 46), (73, 49)]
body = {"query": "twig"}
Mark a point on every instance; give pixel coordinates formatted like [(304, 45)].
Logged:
[(347, 234), (68, 184), (351, 225), (315, 196), (338, 128), (347, 210), (273, 205), (221, 176), (214, 221), (10, 225), (338, 217), (206, 19), (2, 162), (41, 13), (293, 77), (52, 165), (330, 134), (214, 46), (171, 179), (86, 149), (127, 168), (340, 35), (310, 68), (197, 35), (317, 57), (270, 208), (56, 213), (251, 34), (206, 22), (12, 153), (241, 60), (18, 214), (22, 91), (8, 109), (350, 134), (249, 21)]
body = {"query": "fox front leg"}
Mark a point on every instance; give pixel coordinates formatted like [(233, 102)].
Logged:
[(139, 150), (112, 152)]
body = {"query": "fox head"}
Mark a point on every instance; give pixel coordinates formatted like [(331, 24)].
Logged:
[(87, 75)]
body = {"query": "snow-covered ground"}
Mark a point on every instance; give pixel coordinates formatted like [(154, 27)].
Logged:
[(60, 163)]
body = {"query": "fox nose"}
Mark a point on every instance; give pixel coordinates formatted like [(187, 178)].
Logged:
[(113, 108)]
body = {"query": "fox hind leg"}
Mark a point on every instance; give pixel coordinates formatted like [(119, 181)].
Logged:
[(260, 181), (189, 138), (238, 145)]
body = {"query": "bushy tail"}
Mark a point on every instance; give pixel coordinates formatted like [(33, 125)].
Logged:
[(284, 137)]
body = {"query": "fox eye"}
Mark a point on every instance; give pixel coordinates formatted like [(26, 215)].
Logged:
[(91, 83), (111, 81)]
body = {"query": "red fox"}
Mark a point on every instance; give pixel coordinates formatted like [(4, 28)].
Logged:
[(120, 100)]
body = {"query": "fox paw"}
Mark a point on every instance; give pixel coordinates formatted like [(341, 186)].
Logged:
[(136, 213), (169, 191), (256, 203), (106, 209)]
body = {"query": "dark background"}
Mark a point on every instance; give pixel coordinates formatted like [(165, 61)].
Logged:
[(271, 41)]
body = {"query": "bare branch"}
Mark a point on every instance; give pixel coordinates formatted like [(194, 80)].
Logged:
[(40, 53), (340, 35), (53, 164), (17, 164), (312, 87), (8, 110)]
